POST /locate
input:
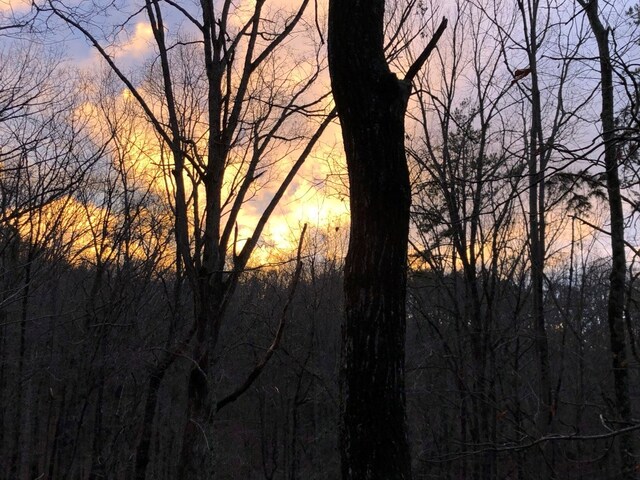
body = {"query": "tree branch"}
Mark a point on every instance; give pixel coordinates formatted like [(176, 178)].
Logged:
[(247, 249), (533, 443), (417, 65), (276, 341), (602, 230)]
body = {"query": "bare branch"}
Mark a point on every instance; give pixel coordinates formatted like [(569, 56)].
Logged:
[(417, 65), (539, 441), (276, 341)]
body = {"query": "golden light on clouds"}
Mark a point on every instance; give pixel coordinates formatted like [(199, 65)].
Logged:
[(90, 232), (310, 199), (137, 148), (313, 206), (317, 197), (140, 41), (135, 43)]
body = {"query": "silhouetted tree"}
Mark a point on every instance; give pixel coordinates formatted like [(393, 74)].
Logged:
[(371, 103), (616, 295)]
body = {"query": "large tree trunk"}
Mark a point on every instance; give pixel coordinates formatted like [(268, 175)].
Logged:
[(615, 307), (371, 104), (196, 457)]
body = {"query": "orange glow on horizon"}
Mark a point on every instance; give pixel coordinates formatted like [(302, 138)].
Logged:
[(309, 199)]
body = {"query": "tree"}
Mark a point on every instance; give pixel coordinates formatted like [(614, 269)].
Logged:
[(474, 296), (225, 105), (46, 154), (466, 189), (371, 103), (617, 278)]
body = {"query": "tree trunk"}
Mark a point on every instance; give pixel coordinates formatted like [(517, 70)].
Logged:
[(144, 444), (617, 277), (537, 231), (371, 104), (196, 457)]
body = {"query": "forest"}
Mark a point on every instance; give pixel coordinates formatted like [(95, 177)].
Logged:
[(294, 239)]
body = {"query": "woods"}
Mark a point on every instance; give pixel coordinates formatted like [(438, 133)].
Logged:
[(179, 299)]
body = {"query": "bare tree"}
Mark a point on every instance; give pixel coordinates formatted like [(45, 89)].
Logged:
[(466, 186), (224, 110), (45, 154), (617, 278)]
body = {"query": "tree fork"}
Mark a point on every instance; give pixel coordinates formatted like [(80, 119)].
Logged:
[(371, 103)]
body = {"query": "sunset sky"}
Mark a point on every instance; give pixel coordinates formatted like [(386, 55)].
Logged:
[(317, 195)]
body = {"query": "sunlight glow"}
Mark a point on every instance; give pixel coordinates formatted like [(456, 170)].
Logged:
[(311, 199), (134, 44)]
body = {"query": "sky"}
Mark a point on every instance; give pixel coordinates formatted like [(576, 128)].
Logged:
[(312, 198)]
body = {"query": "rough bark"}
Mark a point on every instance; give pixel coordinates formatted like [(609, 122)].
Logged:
[(371, 104)]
